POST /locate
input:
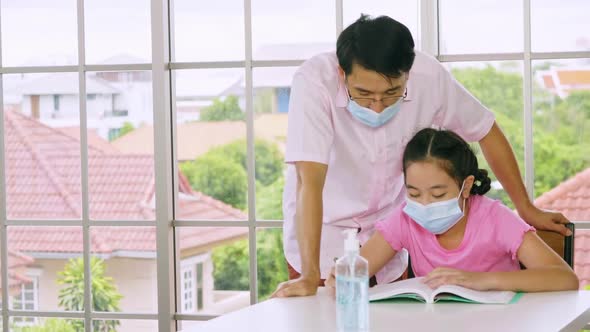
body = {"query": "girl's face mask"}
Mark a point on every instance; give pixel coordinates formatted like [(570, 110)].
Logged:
[(437, 217)]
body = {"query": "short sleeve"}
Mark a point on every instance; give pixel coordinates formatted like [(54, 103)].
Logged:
[(510, 229), (393, 231), (460, 111), (310, 130)]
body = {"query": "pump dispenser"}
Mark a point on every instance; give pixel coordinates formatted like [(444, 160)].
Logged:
[(352, 287)]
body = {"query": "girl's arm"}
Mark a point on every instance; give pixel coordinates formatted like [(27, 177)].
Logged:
[(545, 271), (376, 251)]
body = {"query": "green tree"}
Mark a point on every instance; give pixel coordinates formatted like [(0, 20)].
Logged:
[(269, 159), (219, 177), (222, 110), (125, 129), (49, 325), (560, 127), (231, 266), (221, 172), (105, 296), (269, 200)]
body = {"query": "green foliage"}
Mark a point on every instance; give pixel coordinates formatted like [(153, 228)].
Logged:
[(223, 110), (49, 325), (221, 172), (269, 159), (105, 296), (231, 264), (218, 177), (560, 128), (125, 129), (272, 267), (269, 200)]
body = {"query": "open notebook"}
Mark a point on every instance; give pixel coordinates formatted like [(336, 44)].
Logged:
[(416, 290)]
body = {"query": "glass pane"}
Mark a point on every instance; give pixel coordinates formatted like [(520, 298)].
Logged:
[(117, 32), (189, 325), (307, 27), (50, 257), (497, 85), (211, 144), (39, 32), (272, 266), (123, 265), (215, 270), (561, 132), (560, 25), (42, 157), (272, 88), (473, 26), (26, 324), (581, 257), (120, 145), (125, 325), (217, 24), (403, 11)]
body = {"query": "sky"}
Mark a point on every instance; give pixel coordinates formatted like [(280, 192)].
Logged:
[(40, 32)]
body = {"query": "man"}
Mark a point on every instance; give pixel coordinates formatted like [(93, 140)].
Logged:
[(350, 116)]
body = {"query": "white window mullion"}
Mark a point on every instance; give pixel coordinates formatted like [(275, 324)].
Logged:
[(529, 162), (250, 151), (428, 27), (163, 160)]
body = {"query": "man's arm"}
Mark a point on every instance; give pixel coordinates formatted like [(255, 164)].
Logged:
[(311, 177), (500, 157)]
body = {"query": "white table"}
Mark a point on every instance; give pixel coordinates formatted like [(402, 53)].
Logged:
[(536, 312)]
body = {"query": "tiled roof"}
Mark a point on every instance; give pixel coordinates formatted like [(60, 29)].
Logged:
[(572, 198), (196, 138), (43, 182)]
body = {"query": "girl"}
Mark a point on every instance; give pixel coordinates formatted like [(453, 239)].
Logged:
[(456, 235)]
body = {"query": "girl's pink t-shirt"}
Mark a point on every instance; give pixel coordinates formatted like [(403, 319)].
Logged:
[(492, 237)]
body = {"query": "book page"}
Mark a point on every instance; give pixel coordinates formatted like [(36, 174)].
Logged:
[(498, 297), (408, 286)]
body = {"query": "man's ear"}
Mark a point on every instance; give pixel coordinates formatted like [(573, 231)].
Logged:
[(467, 186)]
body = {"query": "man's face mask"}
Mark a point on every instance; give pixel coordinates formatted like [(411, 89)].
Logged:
[(359, 108), (370, 117), (437, 217)]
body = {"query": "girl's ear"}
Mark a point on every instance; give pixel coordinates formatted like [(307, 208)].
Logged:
[(467, 186)]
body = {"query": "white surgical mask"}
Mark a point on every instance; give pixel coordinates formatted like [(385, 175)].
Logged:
[(437, 217)]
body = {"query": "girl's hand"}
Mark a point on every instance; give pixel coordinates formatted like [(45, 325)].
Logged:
[(448, 276), (330, 282)]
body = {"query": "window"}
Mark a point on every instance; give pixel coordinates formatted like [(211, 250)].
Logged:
[(27, 299), (114, 171), (188, 288), (56, 103)]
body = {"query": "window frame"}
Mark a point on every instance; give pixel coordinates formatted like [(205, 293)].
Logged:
[(162, 68)]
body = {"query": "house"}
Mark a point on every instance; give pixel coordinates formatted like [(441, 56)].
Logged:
[(43, 182), (196, 138), (572, 198), (562, 81)]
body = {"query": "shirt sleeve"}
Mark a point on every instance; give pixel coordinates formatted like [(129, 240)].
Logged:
[(460, 111), (310, 130), (510, 229), (393, 231)]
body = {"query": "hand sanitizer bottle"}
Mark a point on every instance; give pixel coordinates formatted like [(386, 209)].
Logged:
[(352, 287)]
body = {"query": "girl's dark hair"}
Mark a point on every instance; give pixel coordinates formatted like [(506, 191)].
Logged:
[(451, 153)]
